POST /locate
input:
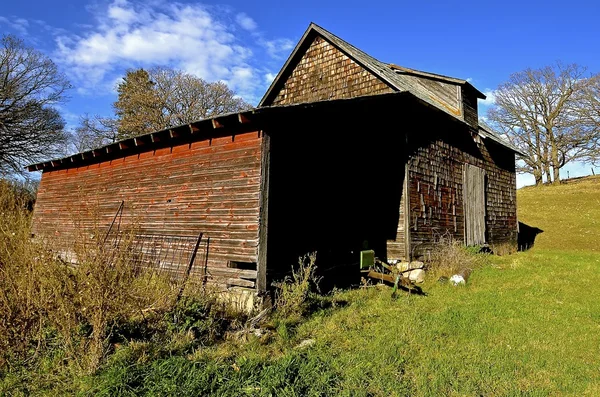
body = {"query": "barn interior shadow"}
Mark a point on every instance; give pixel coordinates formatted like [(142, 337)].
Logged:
[(336, 181), (526, 236)]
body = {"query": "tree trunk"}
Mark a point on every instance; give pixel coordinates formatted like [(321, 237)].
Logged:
[(548, 175), (554, 158), (537, 174), (556, 175)]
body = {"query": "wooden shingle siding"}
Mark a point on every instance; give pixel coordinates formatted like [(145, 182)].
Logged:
[(210, 186), (325, 73), (436, 208)]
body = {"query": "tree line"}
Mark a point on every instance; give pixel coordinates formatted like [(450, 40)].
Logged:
[(551, 114), (155, 99), (32, 89)]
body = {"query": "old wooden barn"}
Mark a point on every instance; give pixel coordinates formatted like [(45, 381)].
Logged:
[(343, 153)]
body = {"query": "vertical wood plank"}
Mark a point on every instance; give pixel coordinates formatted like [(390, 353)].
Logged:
[(474, 204), (263, 225)]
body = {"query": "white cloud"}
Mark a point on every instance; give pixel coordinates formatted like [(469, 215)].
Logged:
[(269, 77), (187, 37), (490, 98), (20, 25), (245, 21), (278, 48)]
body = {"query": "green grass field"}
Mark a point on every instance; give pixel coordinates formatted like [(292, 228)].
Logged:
[(525, 324)]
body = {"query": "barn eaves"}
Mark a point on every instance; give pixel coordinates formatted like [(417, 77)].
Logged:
[(241, 121)]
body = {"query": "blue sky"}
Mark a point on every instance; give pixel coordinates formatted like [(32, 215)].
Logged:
[(245, 43)]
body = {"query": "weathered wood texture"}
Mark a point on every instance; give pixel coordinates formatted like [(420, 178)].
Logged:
[(436, 186), (446, 95), (210, 186), (469, 104), (474, 203), (324, 73), (263, 225), (396, 247)]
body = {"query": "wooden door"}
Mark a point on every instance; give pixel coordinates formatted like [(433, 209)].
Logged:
[(474, 204)]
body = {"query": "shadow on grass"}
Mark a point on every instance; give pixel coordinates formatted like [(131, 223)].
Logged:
[(526, 236)]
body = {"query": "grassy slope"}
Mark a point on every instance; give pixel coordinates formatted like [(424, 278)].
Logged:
[(568, 214), (528, 324)]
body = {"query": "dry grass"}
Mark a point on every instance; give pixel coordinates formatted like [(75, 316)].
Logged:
[(50, 306), (569, 214), (452, 257)]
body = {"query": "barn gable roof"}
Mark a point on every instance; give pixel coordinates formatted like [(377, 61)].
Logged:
[(393, 75)]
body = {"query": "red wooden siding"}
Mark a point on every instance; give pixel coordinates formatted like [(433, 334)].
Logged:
[(325, 73), (211, 186)]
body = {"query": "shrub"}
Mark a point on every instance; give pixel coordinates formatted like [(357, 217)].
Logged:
[(47, 304), (452, 257), (292, 297)]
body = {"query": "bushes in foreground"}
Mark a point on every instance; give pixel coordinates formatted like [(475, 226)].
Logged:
[(59, 317)]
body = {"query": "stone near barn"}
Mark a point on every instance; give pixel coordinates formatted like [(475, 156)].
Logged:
[(457, 279), (417, 276)]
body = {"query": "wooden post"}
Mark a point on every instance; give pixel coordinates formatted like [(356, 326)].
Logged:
[(263, 233), (189, 268)]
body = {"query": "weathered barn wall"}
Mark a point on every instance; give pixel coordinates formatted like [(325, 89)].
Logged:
[(325, 73), (435, 189), (210, 186), (469, 104)]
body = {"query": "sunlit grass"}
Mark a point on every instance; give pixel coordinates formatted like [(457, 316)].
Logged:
[(525, 324), (568, 214)]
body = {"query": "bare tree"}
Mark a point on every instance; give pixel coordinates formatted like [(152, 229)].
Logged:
[(31, 128), (539, 111), (154, 100), (185, 98), (93, 132), (589, 113)]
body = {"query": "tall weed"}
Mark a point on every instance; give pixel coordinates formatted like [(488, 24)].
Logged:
[(293, 294)]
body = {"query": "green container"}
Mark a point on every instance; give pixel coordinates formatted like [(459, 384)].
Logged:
[(367, 259)]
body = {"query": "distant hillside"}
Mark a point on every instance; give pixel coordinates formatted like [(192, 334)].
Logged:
[(569, 214)]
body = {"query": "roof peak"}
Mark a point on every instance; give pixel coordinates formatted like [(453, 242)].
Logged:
[(390, 74)]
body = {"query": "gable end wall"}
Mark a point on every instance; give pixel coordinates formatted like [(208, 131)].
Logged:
[(325, 73), (436, 206)]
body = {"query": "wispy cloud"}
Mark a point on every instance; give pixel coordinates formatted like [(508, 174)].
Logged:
[(191, 37), (216, 43), (20, 25), (490, 98), (246, 22), (269, 77), (277, 48)]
